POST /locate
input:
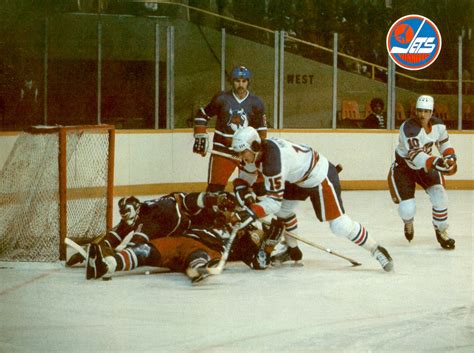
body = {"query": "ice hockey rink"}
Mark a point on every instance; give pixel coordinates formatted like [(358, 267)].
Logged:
[(425, 305)]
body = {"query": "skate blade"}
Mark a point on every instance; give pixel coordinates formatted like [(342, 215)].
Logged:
[(290, 263)]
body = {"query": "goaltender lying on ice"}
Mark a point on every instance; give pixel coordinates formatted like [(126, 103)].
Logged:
[(194, 233)]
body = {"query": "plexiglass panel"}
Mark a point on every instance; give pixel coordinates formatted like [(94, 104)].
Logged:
[(146, 65)]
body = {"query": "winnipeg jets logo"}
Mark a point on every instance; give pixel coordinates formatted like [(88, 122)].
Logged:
[(237, 119), (413, 42)]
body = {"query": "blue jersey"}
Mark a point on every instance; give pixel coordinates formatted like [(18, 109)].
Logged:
[(232, 114)]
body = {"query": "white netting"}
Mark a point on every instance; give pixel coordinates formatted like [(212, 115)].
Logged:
[(29, 193)]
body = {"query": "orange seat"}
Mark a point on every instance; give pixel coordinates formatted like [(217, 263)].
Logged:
[(350, 110), (441, 110), (467, 116)]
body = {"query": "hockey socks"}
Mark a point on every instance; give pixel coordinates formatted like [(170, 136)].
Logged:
[(440, 217), (363, 239), (126, 260), (360, 236)]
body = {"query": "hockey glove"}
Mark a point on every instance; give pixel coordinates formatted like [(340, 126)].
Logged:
[(273, 234), (450, 161), (442, 166), (246, 215), (243, 193), (224, 201), (201, 144), (451, 156)]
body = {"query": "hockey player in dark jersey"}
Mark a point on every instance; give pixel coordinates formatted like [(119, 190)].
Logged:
[(415, 164), (234, 109), (183, 232), (292, 173)]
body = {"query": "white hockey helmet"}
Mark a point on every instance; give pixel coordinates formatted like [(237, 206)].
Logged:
[(425, 102), (246, 138)]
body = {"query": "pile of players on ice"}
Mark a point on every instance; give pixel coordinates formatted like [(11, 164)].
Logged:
[(196, 233)]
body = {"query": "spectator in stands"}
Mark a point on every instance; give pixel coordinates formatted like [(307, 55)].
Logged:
[(376, 119), (28, 107), (452, 75), (252, 12), (349, 47), (282, 16), (377, 54)]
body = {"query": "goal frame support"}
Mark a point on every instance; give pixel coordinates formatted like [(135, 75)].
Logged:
[(62, 132)]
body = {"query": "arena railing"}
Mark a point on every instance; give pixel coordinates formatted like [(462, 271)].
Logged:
[(293, 97)]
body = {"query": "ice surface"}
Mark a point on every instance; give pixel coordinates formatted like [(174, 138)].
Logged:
[(325, 306)]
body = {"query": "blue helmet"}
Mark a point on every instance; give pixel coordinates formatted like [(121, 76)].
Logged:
[(240, 72)]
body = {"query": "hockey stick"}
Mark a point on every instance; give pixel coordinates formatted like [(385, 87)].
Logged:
[(225, 255), (314, 245), (76, 247), (82, 252)]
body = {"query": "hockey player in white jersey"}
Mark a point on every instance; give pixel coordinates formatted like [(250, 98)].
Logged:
[(292, 173), (415, 164)]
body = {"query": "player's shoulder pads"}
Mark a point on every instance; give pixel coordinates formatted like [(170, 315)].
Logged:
[(436, 121), (411, 128), (271, 162)]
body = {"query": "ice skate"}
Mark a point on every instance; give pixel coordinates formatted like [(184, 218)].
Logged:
[(409, 231), (444, 240), (384, 258), (75, 259), (286, 254), (99, 266), (201, 271), (197, 274)]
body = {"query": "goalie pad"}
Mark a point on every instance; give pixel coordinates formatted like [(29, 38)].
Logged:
[(273, 235), (247, 245), (100, 262), (201, 144)]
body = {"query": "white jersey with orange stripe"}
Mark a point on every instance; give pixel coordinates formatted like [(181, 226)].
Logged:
[(415, 145), (281, 162)]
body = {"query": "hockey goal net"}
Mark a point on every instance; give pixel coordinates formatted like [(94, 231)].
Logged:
[(57, 182)]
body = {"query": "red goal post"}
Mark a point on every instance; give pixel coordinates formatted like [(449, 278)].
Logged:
[(57, 183)]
